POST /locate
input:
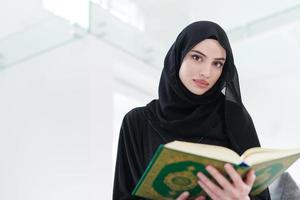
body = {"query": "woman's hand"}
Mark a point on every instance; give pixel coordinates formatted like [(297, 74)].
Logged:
[(185, 196), (237, 190)]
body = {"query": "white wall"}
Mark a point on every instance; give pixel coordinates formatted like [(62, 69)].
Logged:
[(56, 125), (60, 119)]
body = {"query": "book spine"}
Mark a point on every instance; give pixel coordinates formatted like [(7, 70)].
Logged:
[(160, 148)]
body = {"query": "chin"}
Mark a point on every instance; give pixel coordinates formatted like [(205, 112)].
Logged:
[(197, 92)]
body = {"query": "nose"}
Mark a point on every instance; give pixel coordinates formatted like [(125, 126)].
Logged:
[(205, 71)]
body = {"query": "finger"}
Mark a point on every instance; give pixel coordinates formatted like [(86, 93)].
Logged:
[(212, 188), (234, 176), (223, 182), (208, 191), (250, 178), (183, 196), (200, 198)]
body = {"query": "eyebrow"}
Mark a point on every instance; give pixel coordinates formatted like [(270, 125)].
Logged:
[(206, 56)]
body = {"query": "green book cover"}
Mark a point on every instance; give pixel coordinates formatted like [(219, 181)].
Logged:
[(174, 167)]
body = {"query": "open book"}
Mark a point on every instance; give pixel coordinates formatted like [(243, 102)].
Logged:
[(174, 166)]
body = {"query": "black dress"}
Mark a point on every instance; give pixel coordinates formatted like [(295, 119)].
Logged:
[(138, 140)]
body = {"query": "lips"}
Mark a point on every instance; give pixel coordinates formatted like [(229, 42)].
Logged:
[(201, 83)]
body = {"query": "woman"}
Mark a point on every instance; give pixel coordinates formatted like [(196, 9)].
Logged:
[(199, 101)]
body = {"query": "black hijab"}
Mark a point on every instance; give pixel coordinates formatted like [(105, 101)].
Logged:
[(183, 113)]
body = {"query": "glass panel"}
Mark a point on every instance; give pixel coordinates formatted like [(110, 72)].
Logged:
[(32, 31)]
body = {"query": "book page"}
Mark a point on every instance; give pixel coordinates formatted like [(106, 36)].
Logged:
[(259, 155), (255, 150), (209, 151)]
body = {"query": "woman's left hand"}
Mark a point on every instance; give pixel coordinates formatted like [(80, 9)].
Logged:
[(235, 190)]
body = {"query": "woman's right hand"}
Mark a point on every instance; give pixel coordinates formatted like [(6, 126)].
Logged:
[(185, 196)]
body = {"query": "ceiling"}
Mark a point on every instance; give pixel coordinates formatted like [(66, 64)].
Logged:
[(144, 29)]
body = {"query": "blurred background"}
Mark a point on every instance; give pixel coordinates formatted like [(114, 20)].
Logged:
[(70, 71)]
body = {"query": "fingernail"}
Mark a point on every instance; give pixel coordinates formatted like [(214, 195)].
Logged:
[(227, 165), (199, 174), (207, 167)]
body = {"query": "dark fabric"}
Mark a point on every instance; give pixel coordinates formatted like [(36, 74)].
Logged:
[(138, 140), (178, 114)]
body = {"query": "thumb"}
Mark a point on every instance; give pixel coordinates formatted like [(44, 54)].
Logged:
[(183, 196)]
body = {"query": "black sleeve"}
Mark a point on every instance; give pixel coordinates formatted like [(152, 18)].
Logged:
[(128, 168), (264, 195)]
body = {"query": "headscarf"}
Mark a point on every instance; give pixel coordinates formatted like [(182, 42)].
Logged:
[(183, 113)]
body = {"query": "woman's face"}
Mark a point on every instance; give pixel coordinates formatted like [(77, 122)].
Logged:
[(202, 66)]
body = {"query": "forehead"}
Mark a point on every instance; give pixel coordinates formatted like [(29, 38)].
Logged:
[(210, 46)]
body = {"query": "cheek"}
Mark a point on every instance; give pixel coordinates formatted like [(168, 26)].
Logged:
[(186, 77), (183, 72), (188, 69), (217, 75)]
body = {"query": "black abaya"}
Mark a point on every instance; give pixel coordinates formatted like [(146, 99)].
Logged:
[(138, 140)]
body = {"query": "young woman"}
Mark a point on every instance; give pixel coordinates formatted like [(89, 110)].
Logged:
[(199, 101)]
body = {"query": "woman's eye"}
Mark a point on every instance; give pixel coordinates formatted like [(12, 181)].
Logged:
[(196, 57), (219, 64)]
